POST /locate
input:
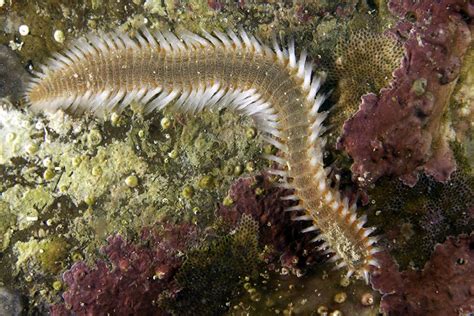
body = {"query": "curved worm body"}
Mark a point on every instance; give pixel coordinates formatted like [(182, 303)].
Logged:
[(104, 73)]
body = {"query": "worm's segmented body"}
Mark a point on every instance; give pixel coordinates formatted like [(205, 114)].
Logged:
[(103, 73)]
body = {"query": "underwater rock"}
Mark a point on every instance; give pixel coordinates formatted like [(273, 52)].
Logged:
[(139, 273), (402, 132), (443, 287), (10, 303), (12, 74), (287, 245)]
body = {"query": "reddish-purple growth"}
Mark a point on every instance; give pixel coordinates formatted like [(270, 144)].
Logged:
[(444, 287), (401, 132), (132, 279)]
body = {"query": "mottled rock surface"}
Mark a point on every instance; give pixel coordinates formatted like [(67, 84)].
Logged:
[(12, 74)]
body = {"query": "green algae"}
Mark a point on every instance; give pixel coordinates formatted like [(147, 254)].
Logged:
[(53, 255), (45, 256), (27, 204), (7, 225), (93, 176)]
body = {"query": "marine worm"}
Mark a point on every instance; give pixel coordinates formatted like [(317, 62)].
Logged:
[(103, 73)]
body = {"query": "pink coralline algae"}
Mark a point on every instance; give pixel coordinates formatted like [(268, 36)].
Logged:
[(401, 131), (444, 287), (277, 231), (132, 279)]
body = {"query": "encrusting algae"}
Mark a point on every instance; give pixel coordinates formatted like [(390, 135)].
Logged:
[(104, 73), (362, 63)]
